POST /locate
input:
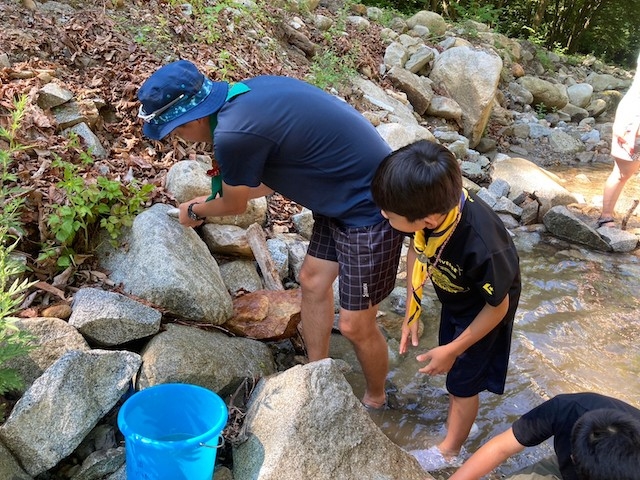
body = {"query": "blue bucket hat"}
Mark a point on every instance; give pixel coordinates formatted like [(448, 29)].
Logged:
[(175, 94)]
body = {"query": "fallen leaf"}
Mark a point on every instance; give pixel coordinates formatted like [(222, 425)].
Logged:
[(48, 288)]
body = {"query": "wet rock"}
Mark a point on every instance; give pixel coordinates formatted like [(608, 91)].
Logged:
[(562, 223)]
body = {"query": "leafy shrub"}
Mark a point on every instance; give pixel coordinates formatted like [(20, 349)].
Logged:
[(90, 203), (13, 342)]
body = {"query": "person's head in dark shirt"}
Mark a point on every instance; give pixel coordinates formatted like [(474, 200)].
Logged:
[(416, 181), (606, 445)]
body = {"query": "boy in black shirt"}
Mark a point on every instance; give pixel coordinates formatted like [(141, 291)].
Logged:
[(595, 438), (464, 247)]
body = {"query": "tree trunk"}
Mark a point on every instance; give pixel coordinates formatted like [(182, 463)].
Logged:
[(539, 15), (581, 23)]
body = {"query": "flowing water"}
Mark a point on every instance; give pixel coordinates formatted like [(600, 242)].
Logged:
[(576, 329)]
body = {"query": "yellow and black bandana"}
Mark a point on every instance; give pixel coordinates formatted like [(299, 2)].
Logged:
[(426, 248)]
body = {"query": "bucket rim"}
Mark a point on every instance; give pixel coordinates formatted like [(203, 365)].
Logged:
[(196, 441)]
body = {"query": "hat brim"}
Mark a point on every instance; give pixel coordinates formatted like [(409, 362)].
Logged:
[(210, 105)]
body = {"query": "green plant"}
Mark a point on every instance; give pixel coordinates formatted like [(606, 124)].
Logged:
[(335, 65), (142, 35), (101, 202), (476, 11), (225, 65), (11, 194), (544, 59), (330, 69), (541, 110), (153, 32), (389, 14), (209, 17), (13, 342)]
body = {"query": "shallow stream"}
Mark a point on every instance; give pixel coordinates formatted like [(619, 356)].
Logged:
[(577, 329)]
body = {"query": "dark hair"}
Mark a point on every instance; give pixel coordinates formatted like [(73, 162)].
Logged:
[(417, 180), (605, 445)]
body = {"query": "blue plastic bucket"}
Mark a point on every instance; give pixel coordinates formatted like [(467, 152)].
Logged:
[(172, 432)]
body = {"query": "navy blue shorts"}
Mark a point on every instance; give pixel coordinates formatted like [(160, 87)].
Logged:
[(367, 259), (483, 366)]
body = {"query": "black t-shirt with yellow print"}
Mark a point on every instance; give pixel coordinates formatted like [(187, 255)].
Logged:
[(479, 264)]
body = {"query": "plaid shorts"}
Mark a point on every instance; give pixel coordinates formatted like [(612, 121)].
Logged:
[(367, 259)]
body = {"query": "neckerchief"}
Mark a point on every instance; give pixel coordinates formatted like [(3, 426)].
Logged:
[(426, 248), (216, 179)]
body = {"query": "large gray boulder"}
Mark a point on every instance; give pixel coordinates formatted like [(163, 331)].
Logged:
[(307, 423), (62, 406), (525, 176), (109, 318), (51, 339), (213, 360), (470, 77), (544, 92), (562, 223), (170, 266)]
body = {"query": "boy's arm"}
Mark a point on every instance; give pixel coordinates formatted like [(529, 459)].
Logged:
[(442, 358), (488, 318), (409, 332), (489, 456)]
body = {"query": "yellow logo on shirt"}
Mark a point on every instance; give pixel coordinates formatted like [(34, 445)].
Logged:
[(488, 288)]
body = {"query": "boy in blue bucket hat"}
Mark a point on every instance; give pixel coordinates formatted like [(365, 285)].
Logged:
[(281, 134)]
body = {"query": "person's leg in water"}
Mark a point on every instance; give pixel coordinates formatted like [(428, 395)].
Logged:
[(359, 327), (366, 258), (622, 171), (483, 366), (450, 452), (462, 413), (317, 306)]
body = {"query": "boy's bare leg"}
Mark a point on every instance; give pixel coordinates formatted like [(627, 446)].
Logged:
[(462, 413), (317, 307), (361, 329)]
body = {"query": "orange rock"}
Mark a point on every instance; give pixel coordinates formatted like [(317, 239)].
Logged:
[(517, 70), (266, 314), (61, 311)]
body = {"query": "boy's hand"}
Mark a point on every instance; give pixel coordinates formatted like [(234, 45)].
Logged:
[(408, 332), (440, 359)]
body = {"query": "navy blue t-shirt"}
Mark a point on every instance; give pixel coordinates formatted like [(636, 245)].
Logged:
[(304, 143), (556, 418)]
